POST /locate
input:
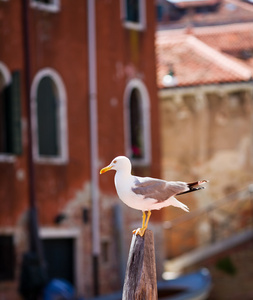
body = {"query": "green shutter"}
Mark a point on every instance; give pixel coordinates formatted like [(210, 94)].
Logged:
[(47, 118), (15, 129)]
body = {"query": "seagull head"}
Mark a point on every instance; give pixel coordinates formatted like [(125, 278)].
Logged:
[(119, 163)]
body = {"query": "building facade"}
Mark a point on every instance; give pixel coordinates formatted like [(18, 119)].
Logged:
[(83, 76)]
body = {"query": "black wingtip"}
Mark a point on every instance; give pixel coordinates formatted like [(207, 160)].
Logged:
[(192, 190)]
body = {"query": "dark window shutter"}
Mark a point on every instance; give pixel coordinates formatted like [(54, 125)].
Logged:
[(136, 125), (15, 115), (4, 116), (132, 11), (8, 119), (47, 118), (11, 132)]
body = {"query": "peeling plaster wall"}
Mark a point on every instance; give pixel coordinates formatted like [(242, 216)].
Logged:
[(207, 133)]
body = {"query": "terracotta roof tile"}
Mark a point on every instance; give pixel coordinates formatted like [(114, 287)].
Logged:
[(197, 59), (235, 40), (227, 38)]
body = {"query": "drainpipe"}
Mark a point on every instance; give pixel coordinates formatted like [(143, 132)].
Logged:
[(92, 68), (33, 260)]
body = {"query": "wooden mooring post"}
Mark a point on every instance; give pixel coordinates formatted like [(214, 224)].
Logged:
[(140, 279)]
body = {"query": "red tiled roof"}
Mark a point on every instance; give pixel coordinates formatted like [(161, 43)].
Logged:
[(197, 59), (227, 38), (235, 40)]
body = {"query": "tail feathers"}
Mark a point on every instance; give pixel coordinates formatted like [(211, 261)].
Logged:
[(197, 182), (192, 188), (176, 203)]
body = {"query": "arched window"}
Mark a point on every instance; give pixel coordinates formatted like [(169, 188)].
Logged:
[(137, 123), (49, 117)]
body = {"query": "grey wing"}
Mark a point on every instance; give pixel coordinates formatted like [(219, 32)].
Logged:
[(159, 190)]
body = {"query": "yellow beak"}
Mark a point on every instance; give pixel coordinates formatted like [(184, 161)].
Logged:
[(108, 168)]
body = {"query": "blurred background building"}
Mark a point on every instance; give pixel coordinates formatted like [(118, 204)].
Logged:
[(204, 76), (166, 83)]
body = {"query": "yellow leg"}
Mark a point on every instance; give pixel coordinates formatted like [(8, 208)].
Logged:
[(145, 220), (148, 217)]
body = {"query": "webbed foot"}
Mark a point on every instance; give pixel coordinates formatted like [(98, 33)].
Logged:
[(139, 231)]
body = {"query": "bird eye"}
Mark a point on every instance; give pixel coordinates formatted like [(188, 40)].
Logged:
[(114, 161)]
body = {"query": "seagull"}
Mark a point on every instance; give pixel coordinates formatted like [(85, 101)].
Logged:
[(146, 193)]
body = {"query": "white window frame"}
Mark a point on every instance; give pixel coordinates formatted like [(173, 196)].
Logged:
[(141, 25), (54, 6), (75, 234), (62, 133), (5, 157), (145, 107)]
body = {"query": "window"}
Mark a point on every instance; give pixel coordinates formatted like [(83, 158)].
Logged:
[(137, 123), (7, 258), (134, 14), (49, 118), (10, 114), (48, 5)]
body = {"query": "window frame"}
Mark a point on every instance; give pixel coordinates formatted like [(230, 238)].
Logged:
[(139, 26), (61, 116), (51, 7), (145, 107), (6, 157)]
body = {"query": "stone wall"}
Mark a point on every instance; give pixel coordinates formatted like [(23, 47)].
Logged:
[(207, 134)]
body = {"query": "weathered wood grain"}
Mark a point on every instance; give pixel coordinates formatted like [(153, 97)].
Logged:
[(140, 279)]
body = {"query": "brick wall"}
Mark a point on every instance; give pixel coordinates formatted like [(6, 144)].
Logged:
[(59, 41)]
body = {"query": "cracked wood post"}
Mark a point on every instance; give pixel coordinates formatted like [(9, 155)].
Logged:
[(140, 279)]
